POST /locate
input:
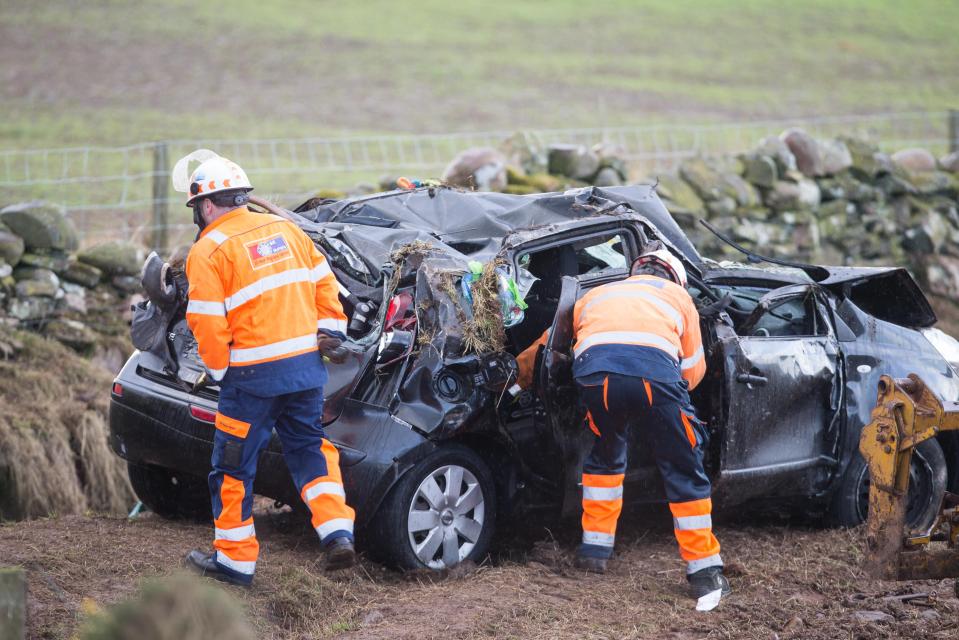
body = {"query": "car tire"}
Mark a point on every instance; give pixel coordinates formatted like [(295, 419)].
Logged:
[(927, 485), (440, 513), (171, 494)]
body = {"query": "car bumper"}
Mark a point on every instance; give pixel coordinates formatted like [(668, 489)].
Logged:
[(152, 423)]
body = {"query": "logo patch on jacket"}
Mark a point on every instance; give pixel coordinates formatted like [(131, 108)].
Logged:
[(268, 251)]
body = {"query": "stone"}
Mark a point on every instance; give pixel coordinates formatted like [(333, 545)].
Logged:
[(72, 333), (927, 236), (23, 273), (680, 195), (56, 262), (479, 168), (41, 226), (74, 297), (809, 194), (760, 170), (724, 206), (526, 151), (612, 156), (573, 161), (845, 186), (915, 160), (759, 233), (895, 185), (126, 284), (942, 276), (607, 177), (13, 596), (31, 309), (706, 181), (872, 617), (11, 246), (775, 148), (743, 192), (933, 182), (83, 274), (835, 156), (36, 289), (783, 196), (950, 162), (865, 165), (806, 151), (545, 183), (6, 271), (114, 258)]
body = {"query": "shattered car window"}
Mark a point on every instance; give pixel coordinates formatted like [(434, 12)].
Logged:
[(602, 255)]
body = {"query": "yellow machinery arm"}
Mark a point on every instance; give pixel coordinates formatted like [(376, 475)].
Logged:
[(907, 412)]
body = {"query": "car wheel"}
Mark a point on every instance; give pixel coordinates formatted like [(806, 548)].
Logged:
[(440, 513), (927, 485), (169, 493)]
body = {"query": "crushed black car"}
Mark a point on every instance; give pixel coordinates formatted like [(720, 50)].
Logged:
[(434, 449)]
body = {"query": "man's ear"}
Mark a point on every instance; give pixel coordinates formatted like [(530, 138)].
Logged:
[(206, 210)]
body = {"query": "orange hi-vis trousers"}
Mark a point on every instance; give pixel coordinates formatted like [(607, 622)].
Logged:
[(244, 424), (663, 412)]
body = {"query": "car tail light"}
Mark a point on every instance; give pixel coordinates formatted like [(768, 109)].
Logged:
[(399, 313), (118, 389), (202, 414)]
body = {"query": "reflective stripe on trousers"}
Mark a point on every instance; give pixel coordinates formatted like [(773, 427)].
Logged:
[(602, 504), (326, 499), (235, 537), (693, 527)]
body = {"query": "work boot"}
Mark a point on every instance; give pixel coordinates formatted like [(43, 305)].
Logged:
[(707, 580), (590, 564), (340, 554), (205, 564)]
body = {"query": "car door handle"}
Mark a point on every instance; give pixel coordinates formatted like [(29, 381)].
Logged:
[(748, 378)]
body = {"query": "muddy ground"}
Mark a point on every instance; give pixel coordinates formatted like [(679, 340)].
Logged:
[(789, 581)]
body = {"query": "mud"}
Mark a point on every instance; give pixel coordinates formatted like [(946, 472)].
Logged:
[(789, 581)]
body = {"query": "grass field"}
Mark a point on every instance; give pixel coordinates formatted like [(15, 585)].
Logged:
[(103, 72)]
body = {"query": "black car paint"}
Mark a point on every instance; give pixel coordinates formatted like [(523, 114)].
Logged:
[(384, 421)]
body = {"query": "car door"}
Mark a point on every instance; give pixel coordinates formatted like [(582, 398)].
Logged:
[(564, 415), (782, 388)]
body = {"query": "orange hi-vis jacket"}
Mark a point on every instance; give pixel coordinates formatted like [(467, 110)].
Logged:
[(644, 325), (259, 292)]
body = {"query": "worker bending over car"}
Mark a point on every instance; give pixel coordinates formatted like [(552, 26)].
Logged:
[(263, 306), (637, 353)]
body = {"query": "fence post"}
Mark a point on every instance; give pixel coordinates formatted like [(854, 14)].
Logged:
[(161, 211), (13, 603), (953, 130)]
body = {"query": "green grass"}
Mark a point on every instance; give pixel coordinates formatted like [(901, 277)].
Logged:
[(434, 65)]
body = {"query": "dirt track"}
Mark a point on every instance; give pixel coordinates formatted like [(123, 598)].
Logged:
[(789, 583)]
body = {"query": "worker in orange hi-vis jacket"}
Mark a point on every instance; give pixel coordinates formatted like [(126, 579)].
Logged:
[(264, 308), (637, 353)]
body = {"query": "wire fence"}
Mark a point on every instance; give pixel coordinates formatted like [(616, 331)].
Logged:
[(125, 192)]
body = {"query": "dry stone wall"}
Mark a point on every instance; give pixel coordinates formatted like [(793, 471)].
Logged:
[(80, 298)]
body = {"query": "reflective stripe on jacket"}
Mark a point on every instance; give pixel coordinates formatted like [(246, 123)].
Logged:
[(259, 292), (641, 311)]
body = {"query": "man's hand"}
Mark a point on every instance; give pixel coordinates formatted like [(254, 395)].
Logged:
[(332, 348)]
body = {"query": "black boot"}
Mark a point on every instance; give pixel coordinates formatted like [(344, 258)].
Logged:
[(205, 564), (590, 564), (708, 580), (340, 554)]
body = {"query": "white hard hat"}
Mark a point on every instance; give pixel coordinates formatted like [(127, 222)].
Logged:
[(663, 257), (215, 174)]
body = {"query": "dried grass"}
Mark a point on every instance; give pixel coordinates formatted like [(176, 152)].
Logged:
[(484, 332), (177, 608), (54, 453)]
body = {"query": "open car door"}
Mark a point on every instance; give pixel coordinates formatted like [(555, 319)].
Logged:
[(783, 392), (558, 391)]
